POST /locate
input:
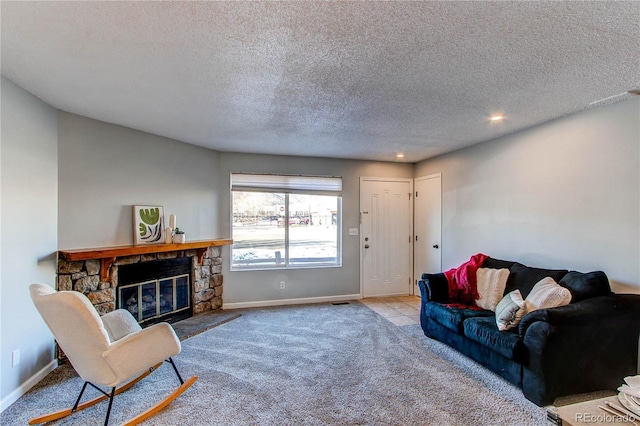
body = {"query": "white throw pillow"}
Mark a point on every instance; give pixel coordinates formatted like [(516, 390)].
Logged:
[(491, 285), (547, 294), (510, 310)]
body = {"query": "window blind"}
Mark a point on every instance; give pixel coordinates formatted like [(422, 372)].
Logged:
[(329, 185)]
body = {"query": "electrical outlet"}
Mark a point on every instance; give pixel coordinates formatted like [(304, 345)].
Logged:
[(281, 285), (15, 357)]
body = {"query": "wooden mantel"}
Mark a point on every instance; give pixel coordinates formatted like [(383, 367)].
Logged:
[(107, 255)]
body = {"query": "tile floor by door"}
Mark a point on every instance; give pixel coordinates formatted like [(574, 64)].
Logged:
[(400, 310)]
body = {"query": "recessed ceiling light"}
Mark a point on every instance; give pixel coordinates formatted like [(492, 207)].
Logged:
[(399, 155), (497, 117)]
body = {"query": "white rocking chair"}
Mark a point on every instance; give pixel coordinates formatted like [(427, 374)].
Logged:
[(105, 351)]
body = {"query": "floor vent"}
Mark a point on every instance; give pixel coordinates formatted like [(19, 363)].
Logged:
[(340, 303)]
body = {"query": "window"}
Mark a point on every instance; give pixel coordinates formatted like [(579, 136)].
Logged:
[(285, 221)]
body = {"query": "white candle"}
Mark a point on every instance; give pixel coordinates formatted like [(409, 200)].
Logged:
[(172, 221)]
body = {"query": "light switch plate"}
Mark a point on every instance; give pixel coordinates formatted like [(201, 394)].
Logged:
[(353, 231)]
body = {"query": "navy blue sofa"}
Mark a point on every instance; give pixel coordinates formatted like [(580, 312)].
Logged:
[(590, 344)]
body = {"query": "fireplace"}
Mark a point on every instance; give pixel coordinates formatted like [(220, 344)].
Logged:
[(156, 291), (187, 278), (96, 273)]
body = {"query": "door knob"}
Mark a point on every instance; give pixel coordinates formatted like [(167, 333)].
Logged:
[(435, 246), (366, 246)]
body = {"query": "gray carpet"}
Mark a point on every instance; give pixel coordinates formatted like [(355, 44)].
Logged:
[(305, 365)]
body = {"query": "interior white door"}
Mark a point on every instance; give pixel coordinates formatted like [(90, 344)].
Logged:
[(385, 237), (427, 226)]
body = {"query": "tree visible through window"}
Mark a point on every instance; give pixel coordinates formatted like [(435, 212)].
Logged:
[(279, 222)]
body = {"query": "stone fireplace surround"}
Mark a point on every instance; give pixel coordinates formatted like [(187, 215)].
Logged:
[(97, 276)]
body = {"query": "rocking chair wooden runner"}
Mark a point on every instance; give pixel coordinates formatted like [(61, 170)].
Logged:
[(105, 351)]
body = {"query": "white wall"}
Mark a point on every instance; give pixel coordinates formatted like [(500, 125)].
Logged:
[(105, 169), (565, 194), (243, 287), (28, 218)]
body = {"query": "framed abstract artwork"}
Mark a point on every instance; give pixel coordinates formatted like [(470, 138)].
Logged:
[(148, 224)]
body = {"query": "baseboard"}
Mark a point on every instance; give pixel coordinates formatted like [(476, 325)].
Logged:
[(24, 388), (300, 301)]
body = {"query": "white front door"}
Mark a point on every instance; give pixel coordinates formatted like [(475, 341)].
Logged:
[(427, 226), (385, 237)]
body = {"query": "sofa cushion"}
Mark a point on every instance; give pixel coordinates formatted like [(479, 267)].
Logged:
[(510, 311), (491, 283), (584, 286), (547, 294), (492, 263), (523, 277), (451, 318), (484, 331)]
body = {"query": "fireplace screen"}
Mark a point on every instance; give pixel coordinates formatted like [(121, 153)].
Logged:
[(154, 298)]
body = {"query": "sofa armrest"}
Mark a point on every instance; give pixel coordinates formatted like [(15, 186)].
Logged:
[(597, 309), (585, 346), (434, 288)]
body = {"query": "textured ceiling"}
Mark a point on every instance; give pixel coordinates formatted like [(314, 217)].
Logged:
[(360, 80)]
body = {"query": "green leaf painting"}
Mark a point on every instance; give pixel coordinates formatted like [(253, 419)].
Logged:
[(150, 216), (148, 224)]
